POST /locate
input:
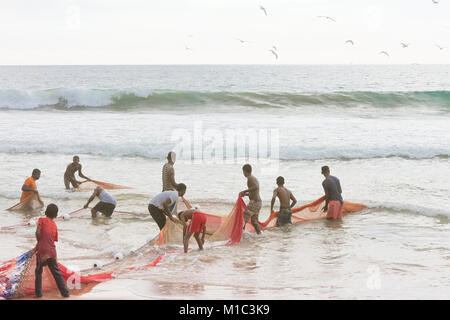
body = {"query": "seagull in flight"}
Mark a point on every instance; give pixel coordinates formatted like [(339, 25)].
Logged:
[(384, 52), (274, 53), (404, 45), (275, 48), (327, 17), (242, 41), (263, 9), (435, 1), (440, 48), (350, 41)]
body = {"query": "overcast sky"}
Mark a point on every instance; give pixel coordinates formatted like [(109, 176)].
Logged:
[(157, 32)]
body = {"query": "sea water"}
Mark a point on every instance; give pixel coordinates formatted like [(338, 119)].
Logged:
[(383, 131)]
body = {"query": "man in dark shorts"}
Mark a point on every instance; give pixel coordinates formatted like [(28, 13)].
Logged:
[(106, 205), (254, 206), (159, 206), (69, 175), (333, 198), (284, 195)]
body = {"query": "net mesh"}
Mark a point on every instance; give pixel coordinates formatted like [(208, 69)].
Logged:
[(17, 275), (32, 202), (92, 184)]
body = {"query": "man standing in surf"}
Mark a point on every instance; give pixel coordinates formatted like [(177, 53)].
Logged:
[(168, 173), (69, 175), (254, 206), (333, 198), (285, 196), (29, 186)]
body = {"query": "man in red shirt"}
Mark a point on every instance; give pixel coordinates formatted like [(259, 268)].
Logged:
[(46, 235)]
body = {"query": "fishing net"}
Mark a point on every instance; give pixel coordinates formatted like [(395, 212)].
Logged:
[(32, 202), (92, 184), (17, 275), (308, 212)]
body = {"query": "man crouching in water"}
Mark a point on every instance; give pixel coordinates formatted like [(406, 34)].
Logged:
[(284, 217), (197, 225), (106, 205), (255, 204)]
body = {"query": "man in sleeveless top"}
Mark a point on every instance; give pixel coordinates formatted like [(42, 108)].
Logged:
[(106, 205), (254, 206), (333, 198), (69, 175), (285, 196), (168, 173)]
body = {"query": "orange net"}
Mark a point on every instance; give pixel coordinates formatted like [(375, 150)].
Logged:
[(17, 275), (92, 184), (32, 202)]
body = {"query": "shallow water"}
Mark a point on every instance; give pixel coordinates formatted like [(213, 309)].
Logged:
[(391, 152)]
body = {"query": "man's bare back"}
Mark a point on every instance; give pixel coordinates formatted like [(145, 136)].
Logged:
[(253, 188), (284, 195)]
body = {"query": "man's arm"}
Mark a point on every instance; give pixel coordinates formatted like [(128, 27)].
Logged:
[(172, 177), (166, 209), (203, 234), (325, 209), (95, 193), (27, 188), (274, 197), (38, 233), (81, 174), (294, 201)]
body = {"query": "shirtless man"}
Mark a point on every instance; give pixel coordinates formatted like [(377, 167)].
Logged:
[(197, 225), (254, 206), (284, 195), (69, 175)]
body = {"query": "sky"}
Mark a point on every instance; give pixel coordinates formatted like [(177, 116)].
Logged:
[(76, 32)]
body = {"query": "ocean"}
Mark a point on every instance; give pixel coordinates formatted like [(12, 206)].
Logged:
[(383, 130)]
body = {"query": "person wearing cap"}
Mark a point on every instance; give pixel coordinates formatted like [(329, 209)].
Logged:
[(168, 173), (69, 175), (333, 198), (285, 196)]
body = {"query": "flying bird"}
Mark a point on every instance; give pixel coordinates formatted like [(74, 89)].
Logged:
[(350, 41), (275, 48), (274, 53), (263, 9), (435, 1), (384, 52), (440, 48), (404, 45), (242, 41), (327, 17)]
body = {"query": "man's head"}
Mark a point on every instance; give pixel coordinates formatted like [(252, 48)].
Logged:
[(247, 170), (181, 188), (280, 181), (325, 171), (171, 157), (51, 211), (36, 174), (76, 159)]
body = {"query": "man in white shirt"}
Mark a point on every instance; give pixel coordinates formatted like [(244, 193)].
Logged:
[(106, 205), (159, 206)]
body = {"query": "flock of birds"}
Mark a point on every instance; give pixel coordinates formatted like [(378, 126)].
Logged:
[(274, 49)]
